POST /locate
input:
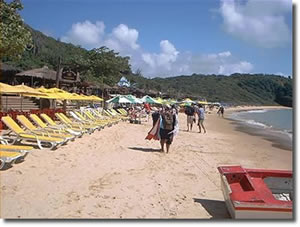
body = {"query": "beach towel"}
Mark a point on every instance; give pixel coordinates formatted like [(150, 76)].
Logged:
[(176, 127), (154, 132)]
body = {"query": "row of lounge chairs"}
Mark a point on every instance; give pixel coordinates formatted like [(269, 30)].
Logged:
[(47, 133)]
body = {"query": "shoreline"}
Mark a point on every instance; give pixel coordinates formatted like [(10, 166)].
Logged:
[(278, 139)]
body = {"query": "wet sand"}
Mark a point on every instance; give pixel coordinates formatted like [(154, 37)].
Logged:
[(116, 173)]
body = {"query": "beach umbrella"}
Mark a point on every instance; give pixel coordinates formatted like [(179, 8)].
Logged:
[(96, 98), (19, 89), (30, 92), (159, 100), (51, 93), (186, 102), (76, 97), (133, 99), (150, 100), (8, 89), (203, 102), (119, 99)]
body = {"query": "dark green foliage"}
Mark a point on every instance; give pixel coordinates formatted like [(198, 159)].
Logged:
[(243, 89)]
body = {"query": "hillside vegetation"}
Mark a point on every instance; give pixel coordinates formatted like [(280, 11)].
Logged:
[(103, 63)]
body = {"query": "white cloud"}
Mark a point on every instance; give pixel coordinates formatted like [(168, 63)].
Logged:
[(187, 63), (260, 22), (224, 54), (238, 67), (126, 35), (85, 33), (167, 62)]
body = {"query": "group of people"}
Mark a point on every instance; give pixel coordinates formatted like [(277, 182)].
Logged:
[(165, 122), (192, 112)]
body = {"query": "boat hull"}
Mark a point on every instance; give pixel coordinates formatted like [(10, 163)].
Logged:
[(255, 208)]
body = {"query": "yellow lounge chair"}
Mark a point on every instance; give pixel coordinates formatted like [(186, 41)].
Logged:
[(67, 121), (8, 157), (20, 134), (38, 121), (85, 124), (114, 113), (5, 146), (101, 116), (27, 124), (109, 114), (78, 117), (119, 114), (72, 130), (97, 119), (90, 121), (123, 111)]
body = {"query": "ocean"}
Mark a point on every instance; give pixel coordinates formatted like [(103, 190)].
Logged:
[(274, 124)]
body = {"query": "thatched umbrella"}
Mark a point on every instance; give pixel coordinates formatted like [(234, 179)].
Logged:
[(43, 73)]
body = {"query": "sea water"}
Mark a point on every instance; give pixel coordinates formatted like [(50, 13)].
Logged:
[(273, 121)]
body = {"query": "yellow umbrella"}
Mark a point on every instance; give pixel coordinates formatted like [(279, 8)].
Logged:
[(187, 100), (50, 94), (55, 93), (203, 102), (96, 98), (75, 96), (61, 93), (85, 97), (159, 100), (8, 89), (31, 92)]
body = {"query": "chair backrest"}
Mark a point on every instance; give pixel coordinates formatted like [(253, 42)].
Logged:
[(12, 125), (60, 117), (48, 119), (75, 116), (79, 115), (89, 115), (37, 120), (26, 123), (65, 118), (115, 112), (107, 113)]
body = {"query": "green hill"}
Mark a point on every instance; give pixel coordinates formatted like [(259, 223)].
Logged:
[(235, 89), (258, 89)]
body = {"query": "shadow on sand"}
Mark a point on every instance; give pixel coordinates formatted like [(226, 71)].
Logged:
[(144, 149), (216, 208)]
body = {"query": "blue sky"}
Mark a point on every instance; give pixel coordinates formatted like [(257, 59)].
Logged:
[(176, 37)]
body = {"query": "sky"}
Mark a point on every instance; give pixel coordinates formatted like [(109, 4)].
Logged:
[(175, 37)]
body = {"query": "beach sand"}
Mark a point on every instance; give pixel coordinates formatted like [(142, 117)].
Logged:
[(116, 173)]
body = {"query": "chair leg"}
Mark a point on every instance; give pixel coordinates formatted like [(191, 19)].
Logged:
[(2, 163)]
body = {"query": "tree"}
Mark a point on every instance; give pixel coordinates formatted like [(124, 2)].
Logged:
[(107, 64), (15, 37)]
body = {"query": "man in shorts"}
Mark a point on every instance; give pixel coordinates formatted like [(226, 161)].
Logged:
[(166, 128), (201, 117), (190, 112)]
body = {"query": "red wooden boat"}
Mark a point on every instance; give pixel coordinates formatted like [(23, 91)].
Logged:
[(257, 193)]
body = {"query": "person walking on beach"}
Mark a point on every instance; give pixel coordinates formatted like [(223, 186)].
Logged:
[(165, 128), (167, 125), (147, 110), (201, 117), (190, 112), (221, 111)]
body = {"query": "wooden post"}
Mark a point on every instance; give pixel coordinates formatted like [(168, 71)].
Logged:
[(102, 91), (58, 72)]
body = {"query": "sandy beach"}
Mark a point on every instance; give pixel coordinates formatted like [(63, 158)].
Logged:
[(116, 174)]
